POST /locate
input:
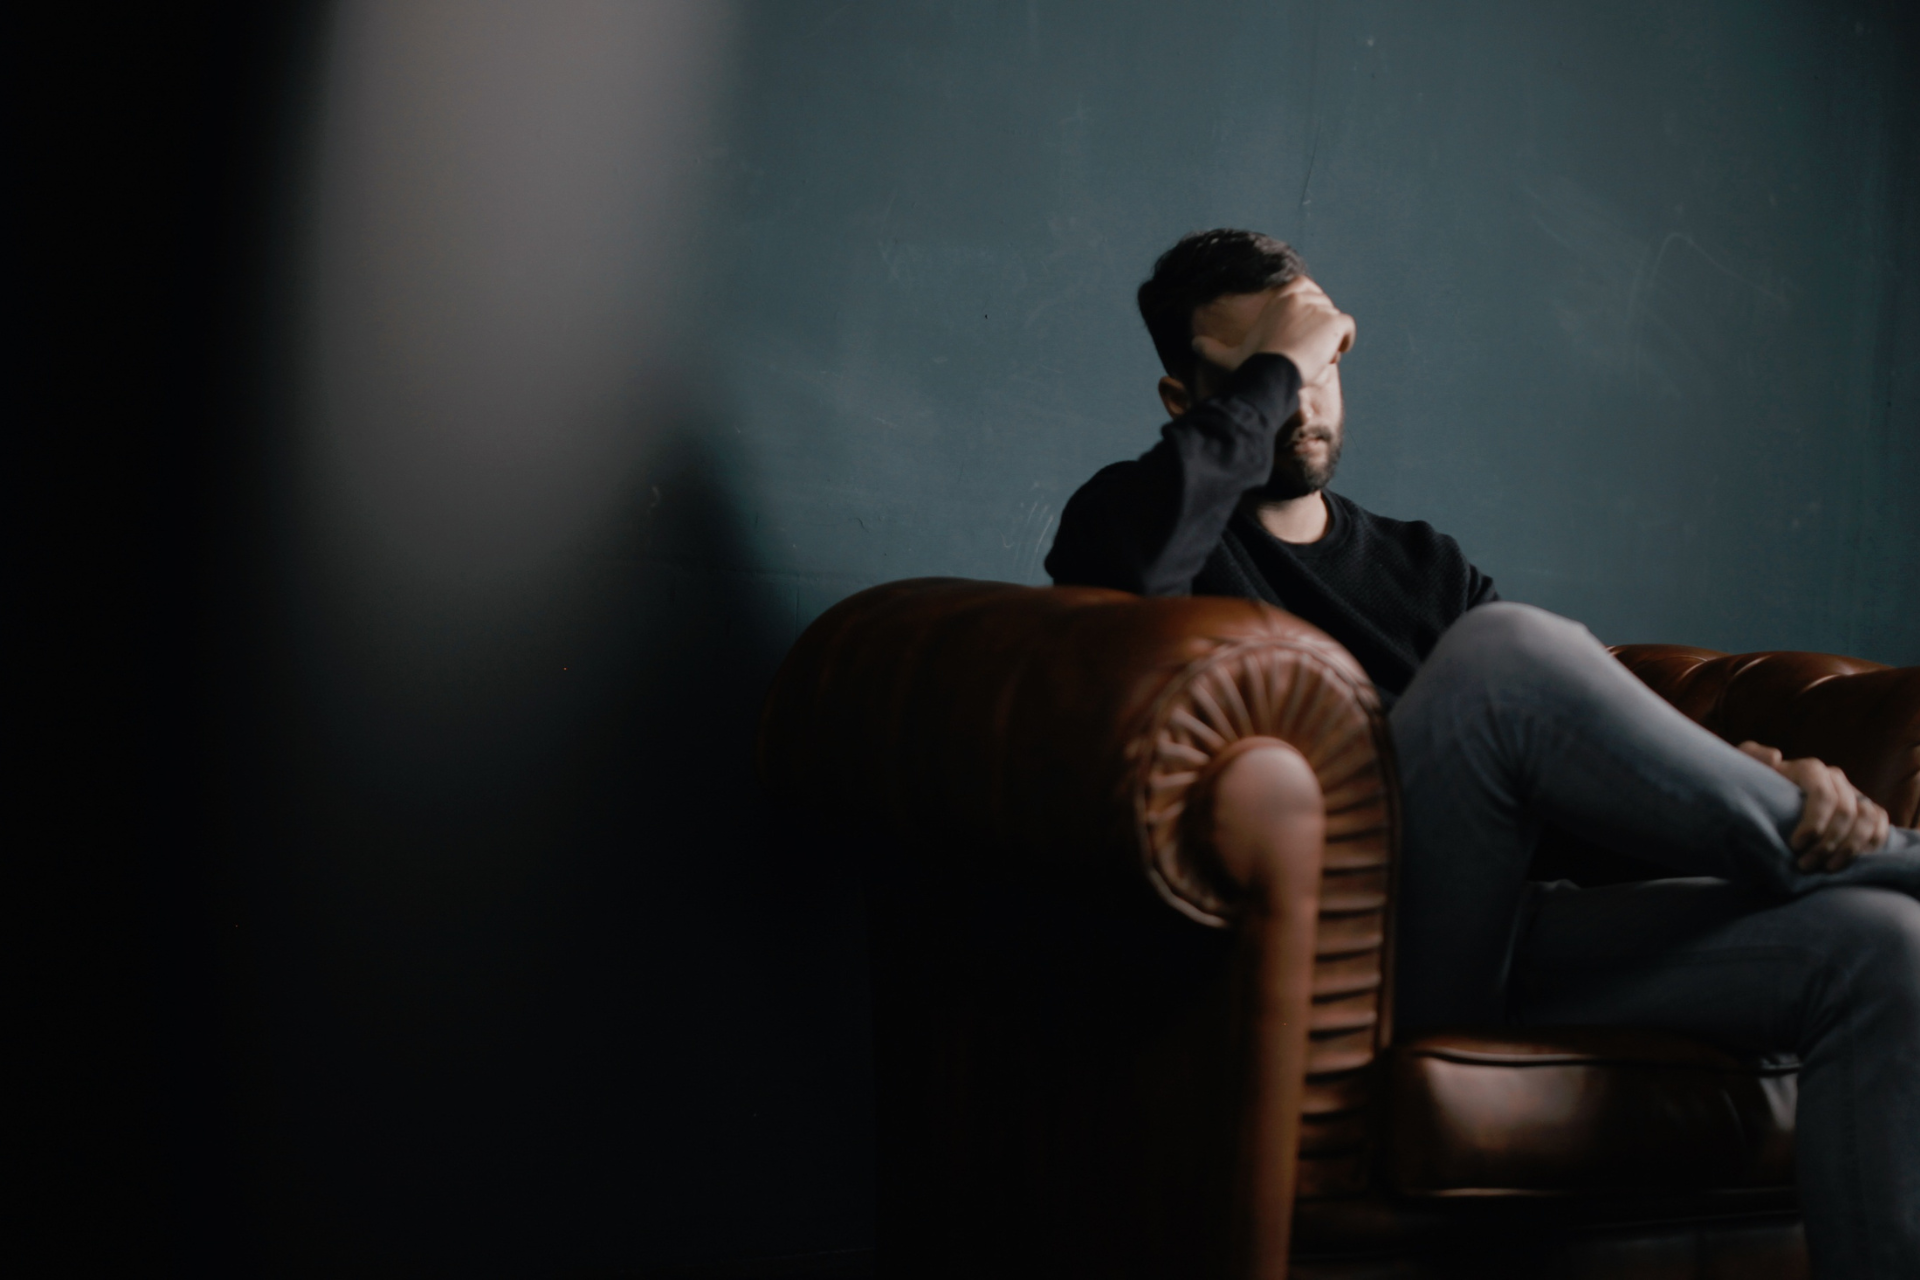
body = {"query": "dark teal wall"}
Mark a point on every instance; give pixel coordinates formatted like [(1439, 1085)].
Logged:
[(467, 403), (1638, 285)]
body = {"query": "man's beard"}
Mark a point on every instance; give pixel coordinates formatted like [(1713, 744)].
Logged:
[(1294, 476)]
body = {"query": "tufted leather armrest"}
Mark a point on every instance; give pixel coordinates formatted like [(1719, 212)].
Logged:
[(1858, 715), (1065, 748), (1069, 725)]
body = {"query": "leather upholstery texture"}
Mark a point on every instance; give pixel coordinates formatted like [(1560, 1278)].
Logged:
[(1573, 1111), (1072, 994), (1858, 715)]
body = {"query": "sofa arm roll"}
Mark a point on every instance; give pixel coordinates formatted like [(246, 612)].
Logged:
[(1860, 716), (1069, 726)]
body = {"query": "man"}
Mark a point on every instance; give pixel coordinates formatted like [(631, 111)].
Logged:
[(1796, 929)]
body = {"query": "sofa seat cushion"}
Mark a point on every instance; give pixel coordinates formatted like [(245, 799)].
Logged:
[(1585, 1111)]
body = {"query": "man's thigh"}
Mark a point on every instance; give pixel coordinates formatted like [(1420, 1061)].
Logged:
[(1695, 955)]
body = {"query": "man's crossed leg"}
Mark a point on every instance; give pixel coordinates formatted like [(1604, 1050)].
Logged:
[(1520, 718)]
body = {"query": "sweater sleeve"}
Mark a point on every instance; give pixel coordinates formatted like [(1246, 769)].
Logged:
[(1147, 526), (1479, 588)]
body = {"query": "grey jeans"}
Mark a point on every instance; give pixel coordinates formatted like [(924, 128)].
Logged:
[(1520, 718)]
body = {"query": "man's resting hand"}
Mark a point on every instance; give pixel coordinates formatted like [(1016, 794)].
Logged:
[(1838, 824), (1299, 322)]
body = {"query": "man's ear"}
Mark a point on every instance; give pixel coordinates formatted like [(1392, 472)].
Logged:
[(1173, 394)]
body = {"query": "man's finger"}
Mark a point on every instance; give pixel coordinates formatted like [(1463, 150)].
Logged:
[(1867, 834), (1817, 811), (1834, 852), (1214, 352), (1829, 813), (1841, 821), (1769, 756), (1870, 824)]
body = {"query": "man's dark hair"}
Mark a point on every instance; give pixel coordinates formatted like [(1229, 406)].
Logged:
[(1203, 266)]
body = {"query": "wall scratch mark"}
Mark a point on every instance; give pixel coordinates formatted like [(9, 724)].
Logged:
[(1026, 537), (1313, 125)]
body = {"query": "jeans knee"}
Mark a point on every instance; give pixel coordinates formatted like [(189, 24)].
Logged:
[(1893, 927), (1876, 936), (1505, 632)]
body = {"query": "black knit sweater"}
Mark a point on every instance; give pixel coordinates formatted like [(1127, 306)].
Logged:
[(1171, 522)]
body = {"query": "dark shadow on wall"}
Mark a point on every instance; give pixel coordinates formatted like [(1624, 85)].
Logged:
[(741, 1022), (522, 977)]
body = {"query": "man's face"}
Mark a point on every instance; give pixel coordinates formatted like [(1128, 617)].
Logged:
[(1307, 449)]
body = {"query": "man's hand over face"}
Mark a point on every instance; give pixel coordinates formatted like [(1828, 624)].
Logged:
[(1838, 824), (1299, 322)]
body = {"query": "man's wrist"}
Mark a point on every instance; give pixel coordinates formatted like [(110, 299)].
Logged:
[(1267, 381)]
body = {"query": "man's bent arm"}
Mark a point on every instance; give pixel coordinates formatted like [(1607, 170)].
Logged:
[(1147, 526)]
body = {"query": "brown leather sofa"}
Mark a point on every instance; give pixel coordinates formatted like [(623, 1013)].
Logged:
[(1132, 877)]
